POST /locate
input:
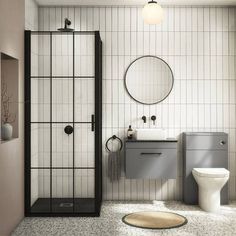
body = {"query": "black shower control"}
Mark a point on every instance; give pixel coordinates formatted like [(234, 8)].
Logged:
[(68, 129), (144, 118), (153, 118)]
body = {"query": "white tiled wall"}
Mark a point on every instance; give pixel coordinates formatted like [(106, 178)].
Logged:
[(198, 43), (31, 15)]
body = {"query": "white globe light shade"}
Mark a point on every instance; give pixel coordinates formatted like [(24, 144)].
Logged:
[(152, 13)]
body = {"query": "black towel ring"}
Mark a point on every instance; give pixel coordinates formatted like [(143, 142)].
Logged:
[(112, 138)]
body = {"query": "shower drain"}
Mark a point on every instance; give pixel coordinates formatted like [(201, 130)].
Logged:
[(66, 204)]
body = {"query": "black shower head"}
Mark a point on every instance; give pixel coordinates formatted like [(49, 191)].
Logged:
[(66, 29), (67, 22)]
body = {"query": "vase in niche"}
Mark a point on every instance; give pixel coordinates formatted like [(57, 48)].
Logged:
[(7, 117), (7, 131)]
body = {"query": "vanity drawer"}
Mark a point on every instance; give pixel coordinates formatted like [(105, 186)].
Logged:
[(146, 145), (151, 163), (206, 142)]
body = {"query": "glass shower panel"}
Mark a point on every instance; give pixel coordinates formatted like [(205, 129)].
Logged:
[(40, 55), (84, 55), (62, 190), (84, 190), (34, 145), (84, 99), (40, 99), (84, 183), (85, 146), (62, 77), (40, 190), (40, 145), (62, 54), (84, 110), (62, 100), (62, 147)]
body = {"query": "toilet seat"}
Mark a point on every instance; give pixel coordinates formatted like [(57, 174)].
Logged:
[(211, 172)]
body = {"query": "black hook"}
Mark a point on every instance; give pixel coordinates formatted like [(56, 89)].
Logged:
[(113, 137)]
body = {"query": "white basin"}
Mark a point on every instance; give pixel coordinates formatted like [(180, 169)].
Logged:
[(150, 134)]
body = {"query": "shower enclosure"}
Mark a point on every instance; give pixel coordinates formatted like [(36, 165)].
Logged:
[(63, 119)]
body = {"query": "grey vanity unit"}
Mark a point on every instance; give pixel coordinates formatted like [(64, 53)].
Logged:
[(150, 159), (203, 150)]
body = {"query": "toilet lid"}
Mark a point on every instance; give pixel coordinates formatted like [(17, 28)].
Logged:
[(211, 172)]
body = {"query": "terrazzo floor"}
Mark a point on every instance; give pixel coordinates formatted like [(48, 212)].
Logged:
[(109, 223)]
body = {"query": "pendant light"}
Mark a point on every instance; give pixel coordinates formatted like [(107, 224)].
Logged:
[(152, 13)]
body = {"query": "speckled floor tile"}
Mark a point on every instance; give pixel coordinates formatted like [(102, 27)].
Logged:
[(109, 223)]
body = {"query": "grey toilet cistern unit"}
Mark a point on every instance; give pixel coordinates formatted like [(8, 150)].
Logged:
[(205, 174)]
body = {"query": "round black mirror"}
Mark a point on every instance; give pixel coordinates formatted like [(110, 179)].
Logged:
[(149, 80)]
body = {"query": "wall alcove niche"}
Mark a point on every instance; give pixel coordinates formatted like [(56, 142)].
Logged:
[(9, 71)]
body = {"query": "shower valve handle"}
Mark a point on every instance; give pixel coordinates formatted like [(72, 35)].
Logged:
[(68, 129)]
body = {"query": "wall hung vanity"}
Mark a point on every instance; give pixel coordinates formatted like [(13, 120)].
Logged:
[(153, 159)]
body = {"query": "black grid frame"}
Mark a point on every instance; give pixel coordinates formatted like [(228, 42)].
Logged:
[(96, 124)]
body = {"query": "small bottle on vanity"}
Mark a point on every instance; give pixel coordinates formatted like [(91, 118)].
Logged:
[(130, 133)]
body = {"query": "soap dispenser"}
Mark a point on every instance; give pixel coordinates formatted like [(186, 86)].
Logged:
[(130, 133)]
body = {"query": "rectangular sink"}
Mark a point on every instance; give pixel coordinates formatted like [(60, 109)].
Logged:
[(150, 134)]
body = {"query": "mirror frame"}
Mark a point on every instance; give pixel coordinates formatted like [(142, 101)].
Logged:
[(125, 80)]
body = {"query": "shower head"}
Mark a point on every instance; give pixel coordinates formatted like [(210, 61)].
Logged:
[(66, 28), (67, 21)]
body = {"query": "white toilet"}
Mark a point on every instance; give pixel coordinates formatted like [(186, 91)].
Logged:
[(210, 182)]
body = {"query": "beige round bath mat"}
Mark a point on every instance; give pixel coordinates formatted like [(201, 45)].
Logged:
[(155, 220)]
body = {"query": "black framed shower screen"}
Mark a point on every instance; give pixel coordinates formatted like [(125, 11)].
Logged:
[(63, 87)]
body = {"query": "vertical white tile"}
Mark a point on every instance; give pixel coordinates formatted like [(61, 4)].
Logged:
[(231, 19), (96, 22), (219, 19), (194, 19), (171, 19), (89, 18), (127, 18), (189, 17), (177, 19), (225, 20), (200, 19), (102, 18), (182, 19), (140, 23), (212, 19), (206, 17), (108, 19), (133, 19)]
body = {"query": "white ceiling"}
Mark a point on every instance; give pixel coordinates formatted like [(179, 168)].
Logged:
[(131, 2)]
